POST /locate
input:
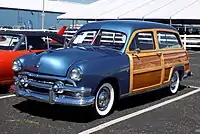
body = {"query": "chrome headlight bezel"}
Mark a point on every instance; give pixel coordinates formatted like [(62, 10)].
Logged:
[(17, 65), (76, 74)]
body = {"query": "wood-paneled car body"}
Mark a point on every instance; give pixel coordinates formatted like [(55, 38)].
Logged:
[(14, 44), (104, 62)]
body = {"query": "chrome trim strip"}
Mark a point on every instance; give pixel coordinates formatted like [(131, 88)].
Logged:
[(39, 85)]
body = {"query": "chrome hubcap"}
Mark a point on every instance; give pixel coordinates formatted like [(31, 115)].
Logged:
[(174, 80), (103, 99)]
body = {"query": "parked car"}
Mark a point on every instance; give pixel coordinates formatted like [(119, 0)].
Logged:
[(14, 44), (104, 62)]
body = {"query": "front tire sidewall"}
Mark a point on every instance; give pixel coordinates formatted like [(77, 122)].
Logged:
[(111, 101), (174, 91)]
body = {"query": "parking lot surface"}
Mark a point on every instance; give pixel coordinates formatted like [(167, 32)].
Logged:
[(19, 116)]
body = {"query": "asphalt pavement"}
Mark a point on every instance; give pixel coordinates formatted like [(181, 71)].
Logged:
[(155, 112)]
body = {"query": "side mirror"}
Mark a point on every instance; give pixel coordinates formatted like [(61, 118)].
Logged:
[(137, 50), (30, 47)]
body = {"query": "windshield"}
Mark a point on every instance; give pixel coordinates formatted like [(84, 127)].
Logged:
[(8, 42), (111, 39)]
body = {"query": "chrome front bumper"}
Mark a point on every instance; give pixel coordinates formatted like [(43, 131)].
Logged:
[(51, 98), (46, 91)]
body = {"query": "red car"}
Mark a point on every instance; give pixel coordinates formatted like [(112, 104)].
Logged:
[(17, 43)]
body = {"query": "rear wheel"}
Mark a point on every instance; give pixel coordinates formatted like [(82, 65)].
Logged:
[(174, 82), (104, 99)]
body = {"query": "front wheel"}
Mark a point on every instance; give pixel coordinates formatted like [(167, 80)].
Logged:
[(174, 82), (104, 99)]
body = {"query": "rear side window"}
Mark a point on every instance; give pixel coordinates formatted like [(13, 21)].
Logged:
[(168, 40), (143, 41)]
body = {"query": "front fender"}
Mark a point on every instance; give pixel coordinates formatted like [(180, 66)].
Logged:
[(95, 71)]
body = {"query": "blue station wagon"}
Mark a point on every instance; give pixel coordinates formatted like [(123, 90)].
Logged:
[(104, 62)]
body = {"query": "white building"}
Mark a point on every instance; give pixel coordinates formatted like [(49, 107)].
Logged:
[(169, 10)]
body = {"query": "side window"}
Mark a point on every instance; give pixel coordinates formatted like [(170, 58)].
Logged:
[(143, 41), (168, 40)]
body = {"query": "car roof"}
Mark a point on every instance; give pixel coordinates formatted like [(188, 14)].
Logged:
[(34, 33), (126, 26)]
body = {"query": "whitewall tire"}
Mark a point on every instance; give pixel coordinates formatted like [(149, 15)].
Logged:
[(174, 82), (104, 99)]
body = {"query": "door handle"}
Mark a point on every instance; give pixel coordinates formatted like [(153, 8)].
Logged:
[(159, 53), (136, 55)]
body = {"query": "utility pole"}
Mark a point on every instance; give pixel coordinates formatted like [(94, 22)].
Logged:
[(43, 13)]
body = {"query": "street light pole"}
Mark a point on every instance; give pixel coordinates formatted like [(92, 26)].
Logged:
[(43, 13)]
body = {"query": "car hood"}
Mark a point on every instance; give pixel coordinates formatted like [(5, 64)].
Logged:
[(57, 62)]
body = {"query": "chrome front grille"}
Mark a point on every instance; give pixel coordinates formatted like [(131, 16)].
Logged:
[(42, 83), (46, 79)]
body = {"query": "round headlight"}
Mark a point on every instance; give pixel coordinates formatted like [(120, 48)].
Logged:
[(75, 74), (17, 66)]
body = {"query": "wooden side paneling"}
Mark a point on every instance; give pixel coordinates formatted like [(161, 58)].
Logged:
[(147, 70), (171, 59), (146, 62), (152, 68), (146, 79), (187, 67), (167, 74)]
